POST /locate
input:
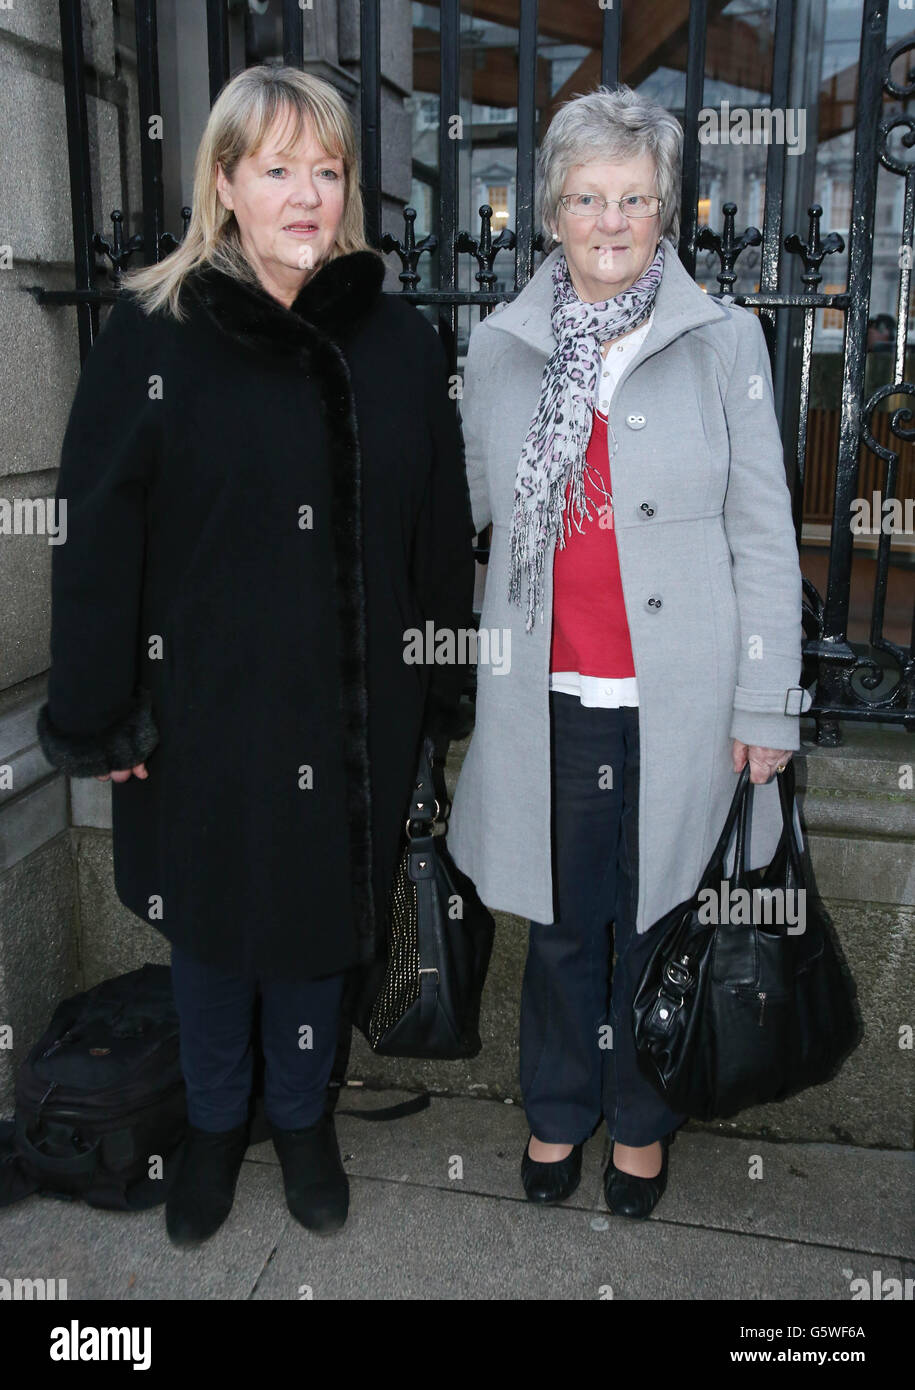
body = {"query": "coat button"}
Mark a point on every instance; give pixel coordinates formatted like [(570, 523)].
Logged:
[(636, 422), (647, 509), (653, 603)]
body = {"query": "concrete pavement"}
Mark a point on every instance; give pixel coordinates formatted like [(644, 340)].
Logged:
[(437, 1211)]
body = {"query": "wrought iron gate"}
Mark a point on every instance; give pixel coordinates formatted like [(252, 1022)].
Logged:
[(876, 684)]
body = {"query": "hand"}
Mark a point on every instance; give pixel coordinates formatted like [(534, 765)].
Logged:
[(763, 761), (138, 771)]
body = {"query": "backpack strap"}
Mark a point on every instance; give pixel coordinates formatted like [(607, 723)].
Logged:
[(393, 1112)]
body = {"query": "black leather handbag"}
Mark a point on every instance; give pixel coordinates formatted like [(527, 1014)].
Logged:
[(421, 998), (749, 1007)]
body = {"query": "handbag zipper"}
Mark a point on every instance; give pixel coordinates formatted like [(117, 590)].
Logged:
[(762, 996)]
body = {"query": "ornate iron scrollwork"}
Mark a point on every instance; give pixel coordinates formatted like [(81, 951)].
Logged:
[(169, 243), (120, 251), (409, 250), (815, 249), (484, 249), (117, 250), (727, 245)]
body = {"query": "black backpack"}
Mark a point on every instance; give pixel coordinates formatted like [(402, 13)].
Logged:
[(99, 1098), (101, 1093)]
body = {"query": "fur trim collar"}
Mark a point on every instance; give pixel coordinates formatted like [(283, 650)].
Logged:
[(332, 301)]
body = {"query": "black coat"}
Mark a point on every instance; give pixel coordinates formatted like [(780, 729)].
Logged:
[(203, 621)]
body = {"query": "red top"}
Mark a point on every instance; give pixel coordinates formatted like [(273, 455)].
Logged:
[(590, 631)]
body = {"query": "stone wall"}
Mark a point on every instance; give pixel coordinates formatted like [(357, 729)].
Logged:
[(39, 878)]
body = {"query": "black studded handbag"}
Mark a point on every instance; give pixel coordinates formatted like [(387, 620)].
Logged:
[(734, 1008), (421, 998)]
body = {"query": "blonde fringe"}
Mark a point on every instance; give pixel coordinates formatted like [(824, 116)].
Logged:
[(239, 120)]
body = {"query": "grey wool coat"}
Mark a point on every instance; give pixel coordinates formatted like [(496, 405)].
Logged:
[(711, 584)]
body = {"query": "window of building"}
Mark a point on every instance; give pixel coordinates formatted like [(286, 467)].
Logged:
[(497, 198), (833, 318)]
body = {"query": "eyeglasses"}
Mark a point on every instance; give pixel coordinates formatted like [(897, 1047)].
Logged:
[(592, 204)]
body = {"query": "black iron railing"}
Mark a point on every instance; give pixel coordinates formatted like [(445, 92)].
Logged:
[(877, 683)]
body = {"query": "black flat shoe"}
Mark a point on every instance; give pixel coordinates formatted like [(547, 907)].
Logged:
[(202, 1190), (317, 1188), (628, 1195), (551, 1182)]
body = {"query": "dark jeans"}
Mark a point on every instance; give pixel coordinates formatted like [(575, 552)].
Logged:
[(215, 1012), (570, 1076)]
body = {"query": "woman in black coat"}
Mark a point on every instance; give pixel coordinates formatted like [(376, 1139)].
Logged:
[(265, 491)]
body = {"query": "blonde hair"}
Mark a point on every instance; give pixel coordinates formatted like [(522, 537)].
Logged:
[(240, 118)]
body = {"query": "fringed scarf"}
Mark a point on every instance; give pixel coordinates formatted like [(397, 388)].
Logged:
[(557, 441)]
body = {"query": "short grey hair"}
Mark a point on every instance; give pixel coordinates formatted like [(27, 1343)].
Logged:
[(603, 126)]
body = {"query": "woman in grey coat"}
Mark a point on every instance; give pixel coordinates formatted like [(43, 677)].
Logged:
[(653, 621)]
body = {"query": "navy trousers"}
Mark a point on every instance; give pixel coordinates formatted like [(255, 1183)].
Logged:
[(299, 1025), (577, 1049)]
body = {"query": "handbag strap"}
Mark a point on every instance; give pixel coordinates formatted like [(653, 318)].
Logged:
[(786, 793), (423, 802), (738, 873), (786, 786), (717, 855), (421, 818), (425, 810)]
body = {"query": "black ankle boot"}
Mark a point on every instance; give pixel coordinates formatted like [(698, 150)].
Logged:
[(317, 1188), (628, 1195), (202, 1190), (551, 1182)]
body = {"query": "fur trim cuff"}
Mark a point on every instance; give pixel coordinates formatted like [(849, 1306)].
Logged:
[(122, 746)]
